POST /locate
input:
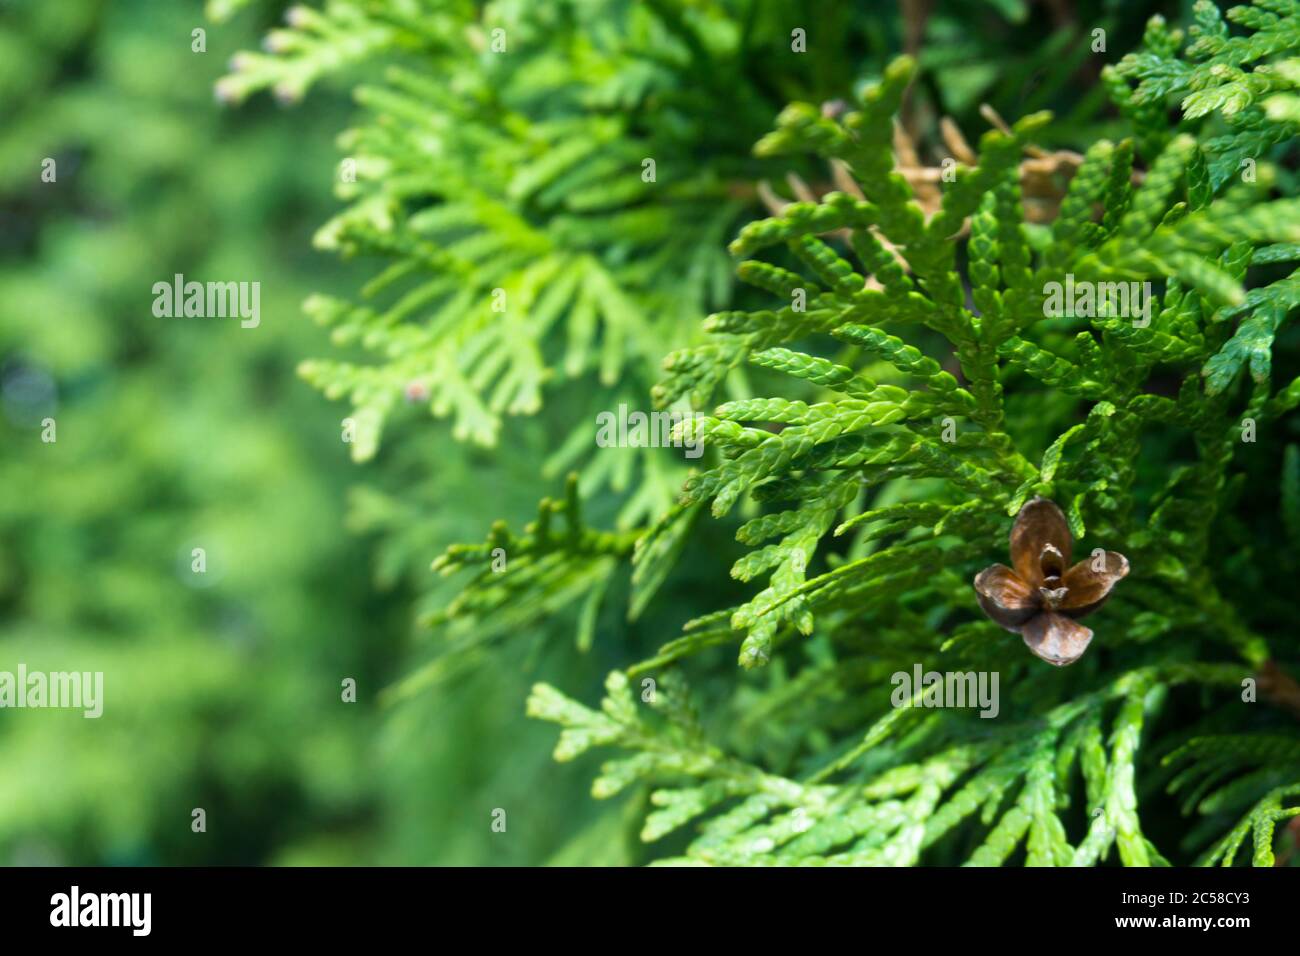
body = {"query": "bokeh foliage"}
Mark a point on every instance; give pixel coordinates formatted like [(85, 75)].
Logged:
[(479, 172)]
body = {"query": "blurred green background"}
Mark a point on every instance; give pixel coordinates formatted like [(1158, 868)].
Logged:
[(223, 690)]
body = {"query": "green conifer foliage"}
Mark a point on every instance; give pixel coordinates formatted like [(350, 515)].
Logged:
[(548, 189), (1248, 79), (527, 176), (888, 386), (1054, 780)]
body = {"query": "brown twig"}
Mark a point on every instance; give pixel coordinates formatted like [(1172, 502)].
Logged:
[(1278, 687)]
